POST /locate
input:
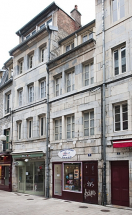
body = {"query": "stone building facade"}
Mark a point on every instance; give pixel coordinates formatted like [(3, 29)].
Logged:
[(30, 96)]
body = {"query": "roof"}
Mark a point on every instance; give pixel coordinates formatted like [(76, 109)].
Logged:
[(39, 18), (9, 62), (77, 31)]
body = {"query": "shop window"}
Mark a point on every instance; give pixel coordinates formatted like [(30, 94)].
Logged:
[(88, 74), (70, 127), (118, 9), (58, 86), (89, 123), (70, 81), (119, 60), (72, 177), (58, 129), (121, 117)]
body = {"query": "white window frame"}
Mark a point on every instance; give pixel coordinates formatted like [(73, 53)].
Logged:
[(121, 116), (31, 93), (58, 85), (20, 92), (30, 128), (88, 120), (19, 130), (7, 102), (117, 9), (72, 126), (119, 50), (58, 128), (89, 73), (42, 125), (70, 83), (43, 89), (30, 61)]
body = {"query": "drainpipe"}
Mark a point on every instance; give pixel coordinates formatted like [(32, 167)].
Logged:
[(47, 121), (104, 143)]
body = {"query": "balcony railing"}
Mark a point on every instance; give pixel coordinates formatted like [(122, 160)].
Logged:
[(6, 146)]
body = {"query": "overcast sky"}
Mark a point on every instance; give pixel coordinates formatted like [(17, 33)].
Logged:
[(16, 13)]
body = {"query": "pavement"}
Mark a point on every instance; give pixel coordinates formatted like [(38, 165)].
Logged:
[(22, 204)]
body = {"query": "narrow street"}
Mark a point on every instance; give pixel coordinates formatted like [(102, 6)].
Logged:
[(22, 204)]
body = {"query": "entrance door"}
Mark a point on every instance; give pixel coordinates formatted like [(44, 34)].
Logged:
[(90, 182), (120, 183), (21, 179), (57, 180)]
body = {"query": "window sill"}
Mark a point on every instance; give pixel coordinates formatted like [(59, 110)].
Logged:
[(29, 140)]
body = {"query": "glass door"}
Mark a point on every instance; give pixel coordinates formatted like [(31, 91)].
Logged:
[(7, 175), (29, 177), (57, 180), (21, 179)]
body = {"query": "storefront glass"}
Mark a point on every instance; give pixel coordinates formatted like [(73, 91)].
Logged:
[(57, 180), (72, 177)]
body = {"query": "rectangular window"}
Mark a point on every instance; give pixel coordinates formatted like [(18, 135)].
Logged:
[(90, 35), (121, 117), (70, 127), (42, 54), (31, 93), (30, 61), (72, 177), (70, 80), (7, 108), (30, 123), (118, 7), (33, 32), (49, 22), (88, 74), (89, 123), (119, 58), (19, 130), (7, 139), (58, 129), (20, 67), (69, 47), (20, 97), (58, 86), (42, 26), (43, 89), (42, 126), (27, 36), (85, 38)]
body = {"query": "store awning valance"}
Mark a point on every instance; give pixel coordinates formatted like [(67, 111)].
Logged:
[(122, 143), (27, 154)]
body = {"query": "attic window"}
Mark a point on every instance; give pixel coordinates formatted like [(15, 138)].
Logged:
[(49, 22), (42, 26), (27, 36)]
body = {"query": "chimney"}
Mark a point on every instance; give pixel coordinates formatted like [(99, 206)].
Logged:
[(76, 15)]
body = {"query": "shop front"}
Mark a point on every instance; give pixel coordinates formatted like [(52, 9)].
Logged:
[(30, 168), (5, 172), (76, 181)]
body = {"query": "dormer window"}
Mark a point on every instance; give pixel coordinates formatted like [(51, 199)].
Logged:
[(33, 32), (27, 36), (42, 26), (69, 47), (49, 22)]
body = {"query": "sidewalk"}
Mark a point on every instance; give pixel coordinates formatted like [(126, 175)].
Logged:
[(23, 204)]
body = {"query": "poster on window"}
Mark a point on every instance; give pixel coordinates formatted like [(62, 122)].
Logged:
[(76, 173)]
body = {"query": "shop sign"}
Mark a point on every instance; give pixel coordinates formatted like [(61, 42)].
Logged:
[(67, 153)]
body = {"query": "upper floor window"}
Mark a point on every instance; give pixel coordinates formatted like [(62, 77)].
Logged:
[(19, 128), (69, 47), (43, 88), (20, 97), (89, 123), (30, 128), (121, 117), (42, 125), (87, 36), (58, 129), (58, 86), (33, 32), (118, 7), (42, 26), (49, 22), (27, 36), (70, 80), (30, 61), (42, 54), (6, 145), (7, 103), (20, 67), (70, 127), (88, 74), (119, 56), (31, 93)]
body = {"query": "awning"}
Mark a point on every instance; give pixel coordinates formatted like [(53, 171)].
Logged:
[(122, 143), (26, 154)]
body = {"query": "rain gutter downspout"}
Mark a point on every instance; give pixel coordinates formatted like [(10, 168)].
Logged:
[(47, 121), (104, 142)]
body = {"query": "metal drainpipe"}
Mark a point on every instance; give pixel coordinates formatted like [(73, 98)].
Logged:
[(104, 144), (47, 125)]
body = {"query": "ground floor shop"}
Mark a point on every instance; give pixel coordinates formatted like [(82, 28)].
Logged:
[(6, 172), (76, 181), (30, 173)]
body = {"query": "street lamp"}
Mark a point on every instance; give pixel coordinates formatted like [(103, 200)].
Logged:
[(49, 29)]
